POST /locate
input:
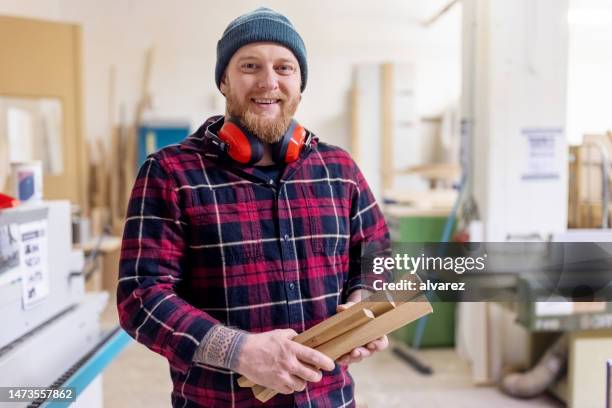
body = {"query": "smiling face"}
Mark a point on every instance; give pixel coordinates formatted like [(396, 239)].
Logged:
[(262, 89)]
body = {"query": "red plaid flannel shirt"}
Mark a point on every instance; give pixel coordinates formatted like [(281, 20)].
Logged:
[(208, 241)]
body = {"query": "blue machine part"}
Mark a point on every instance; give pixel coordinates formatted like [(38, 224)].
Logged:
[(93, 365), (152, 136)]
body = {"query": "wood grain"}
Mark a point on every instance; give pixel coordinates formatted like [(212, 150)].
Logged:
[(392, 320), (357, 315)]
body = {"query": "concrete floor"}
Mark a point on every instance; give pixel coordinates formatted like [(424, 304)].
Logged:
[(140, 378)]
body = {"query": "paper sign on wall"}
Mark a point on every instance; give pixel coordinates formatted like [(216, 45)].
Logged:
[(542, 156)]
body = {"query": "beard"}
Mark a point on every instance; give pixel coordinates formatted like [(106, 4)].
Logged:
[(268, 130)]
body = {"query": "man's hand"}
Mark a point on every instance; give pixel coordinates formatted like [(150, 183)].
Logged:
[(273, 360), (359, 353)]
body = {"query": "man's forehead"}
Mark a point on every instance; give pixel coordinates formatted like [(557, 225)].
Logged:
[(269, 50)]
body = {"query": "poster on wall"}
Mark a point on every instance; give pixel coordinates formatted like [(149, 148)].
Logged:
[(9, 253), (542, 153), (34, 266)]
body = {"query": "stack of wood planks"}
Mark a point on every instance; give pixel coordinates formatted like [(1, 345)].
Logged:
[(114, 173), (356, 326), (586, 195)]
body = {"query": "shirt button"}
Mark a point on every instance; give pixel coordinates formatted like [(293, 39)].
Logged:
[(292, 286), (285, 237)]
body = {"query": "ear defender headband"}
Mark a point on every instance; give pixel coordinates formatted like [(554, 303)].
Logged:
[(246, 148)]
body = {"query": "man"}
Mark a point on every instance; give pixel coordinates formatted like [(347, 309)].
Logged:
[(236, 239)]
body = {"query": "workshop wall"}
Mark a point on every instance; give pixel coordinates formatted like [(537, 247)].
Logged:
[(338, 36), (590, 64)]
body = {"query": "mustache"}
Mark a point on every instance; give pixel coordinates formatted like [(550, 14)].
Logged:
[(268, 96)]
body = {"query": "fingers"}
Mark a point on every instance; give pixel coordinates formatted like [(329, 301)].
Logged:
[(348, 359), (360, 352), (306, 372), (357, 295), (378, 344), (344, 306), (345, 360), (313, 357), (284, 389), (290, 384), (297, 377), (296, 383), (355, 356)]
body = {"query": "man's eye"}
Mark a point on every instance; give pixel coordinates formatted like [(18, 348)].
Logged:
[(285, 69), (249, 66)]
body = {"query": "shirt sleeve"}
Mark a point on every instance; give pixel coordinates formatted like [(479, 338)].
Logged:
[(369, 235), (151, 265)]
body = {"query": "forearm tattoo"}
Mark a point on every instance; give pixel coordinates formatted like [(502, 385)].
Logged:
[(221, 347)]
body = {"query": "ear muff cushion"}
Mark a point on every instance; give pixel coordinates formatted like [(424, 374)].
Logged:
[(289, 148), (243, 147), (296, 143)]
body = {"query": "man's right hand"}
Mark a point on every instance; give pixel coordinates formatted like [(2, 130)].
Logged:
[(273, 360)]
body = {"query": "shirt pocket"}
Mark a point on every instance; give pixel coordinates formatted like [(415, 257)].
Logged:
[(327, 218), (226, 220)]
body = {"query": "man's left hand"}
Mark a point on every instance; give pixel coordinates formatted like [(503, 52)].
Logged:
[(359, 353)]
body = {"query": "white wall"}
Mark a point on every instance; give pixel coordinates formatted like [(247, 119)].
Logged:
[(48, 10), (337, 34), (519, 149), (590, 67)]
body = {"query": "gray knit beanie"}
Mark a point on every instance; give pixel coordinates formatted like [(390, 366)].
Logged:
[(262, 24)]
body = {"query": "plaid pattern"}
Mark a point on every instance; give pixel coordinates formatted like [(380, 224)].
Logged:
[(208, 242)]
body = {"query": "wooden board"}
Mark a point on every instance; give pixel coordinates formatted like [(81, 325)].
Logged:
[(392, 320), (377, 304), (115, 181), (386, 135), (380, 326), (589, 352), (445, 171), (355, 135), (328, 329)]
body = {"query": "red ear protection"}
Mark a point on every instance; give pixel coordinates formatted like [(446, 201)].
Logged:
[(246, 148), (288, 149), (243, 147)]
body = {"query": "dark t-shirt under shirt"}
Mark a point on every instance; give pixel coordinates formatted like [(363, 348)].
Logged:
[(272, 172)]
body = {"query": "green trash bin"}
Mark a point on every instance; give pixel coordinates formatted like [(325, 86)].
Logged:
[(409, 225)]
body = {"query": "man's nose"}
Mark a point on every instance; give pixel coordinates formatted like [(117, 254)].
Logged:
[(268, 79)]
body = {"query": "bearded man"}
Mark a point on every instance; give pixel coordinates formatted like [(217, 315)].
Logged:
[(246, 233)]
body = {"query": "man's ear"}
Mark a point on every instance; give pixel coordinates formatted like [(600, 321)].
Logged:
[(223, 85)]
